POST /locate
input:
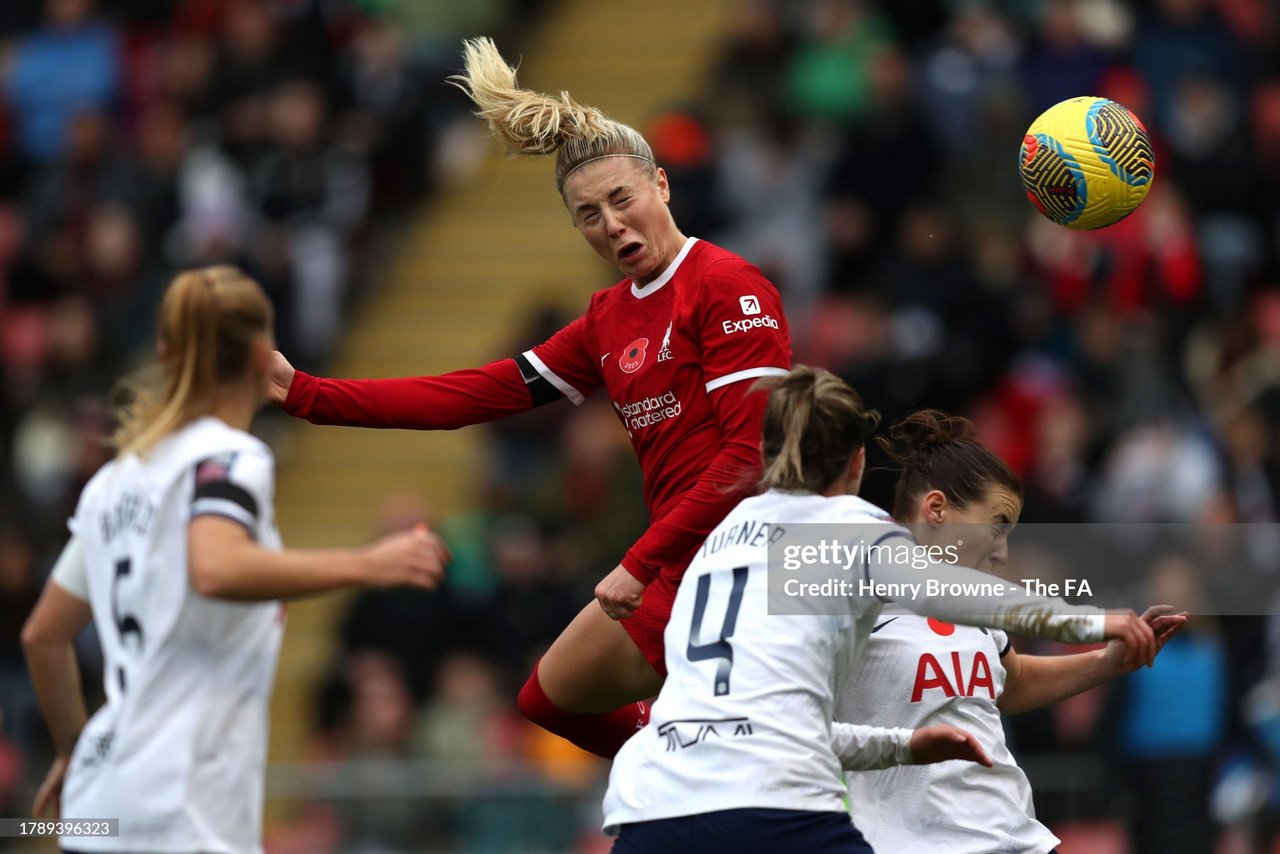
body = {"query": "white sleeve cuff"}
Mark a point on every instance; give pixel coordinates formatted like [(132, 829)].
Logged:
[(861, 747), (903, 739), (70, 571)]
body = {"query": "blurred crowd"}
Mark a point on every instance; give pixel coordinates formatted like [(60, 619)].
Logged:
[(863, 153)]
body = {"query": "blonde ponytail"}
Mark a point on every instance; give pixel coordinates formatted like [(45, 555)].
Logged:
[(784, 461), (533, 123), (208, 321), (813, 425)]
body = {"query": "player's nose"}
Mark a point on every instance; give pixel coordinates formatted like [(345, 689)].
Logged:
[(613, 224)]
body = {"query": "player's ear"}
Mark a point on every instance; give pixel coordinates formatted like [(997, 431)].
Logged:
[(935, 506), (664, 186), (260, 354)]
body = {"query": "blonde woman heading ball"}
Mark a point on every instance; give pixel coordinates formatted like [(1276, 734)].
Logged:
[(676, 345)]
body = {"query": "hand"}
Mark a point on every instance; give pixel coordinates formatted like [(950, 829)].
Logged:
[(940, 743), (1135, 633), (414, 558), (620, 593), (1164, 624), (281, 378), (50, 793)]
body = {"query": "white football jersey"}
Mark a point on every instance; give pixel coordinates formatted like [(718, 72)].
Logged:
[(178, 751), (744, 717), (919, 672)]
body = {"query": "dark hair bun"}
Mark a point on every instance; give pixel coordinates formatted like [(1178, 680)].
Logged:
[(924, 431)]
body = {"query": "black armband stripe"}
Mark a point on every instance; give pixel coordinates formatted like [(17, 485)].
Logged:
[(540, 388), (228, 491)]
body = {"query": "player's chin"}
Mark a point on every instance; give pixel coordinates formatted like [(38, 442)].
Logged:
[(639, 266)]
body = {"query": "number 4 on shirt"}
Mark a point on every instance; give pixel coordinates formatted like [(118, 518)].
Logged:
[(719, 649)]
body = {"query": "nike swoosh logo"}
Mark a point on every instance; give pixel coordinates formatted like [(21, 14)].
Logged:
[(880, 626), (602, 358)]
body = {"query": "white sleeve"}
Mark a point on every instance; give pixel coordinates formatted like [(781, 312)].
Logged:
[(70, 571), (1015, 611), (1001, 640), (869, 748)]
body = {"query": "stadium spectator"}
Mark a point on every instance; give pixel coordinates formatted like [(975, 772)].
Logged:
[(1171, 723), (308, 195), (68, 67)]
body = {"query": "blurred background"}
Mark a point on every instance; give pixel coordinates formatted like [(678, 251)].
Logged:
[(862, 153)]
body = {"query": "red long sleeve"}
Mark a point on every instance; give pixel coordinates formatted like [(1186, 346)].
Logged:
[(673, 539), (446, 402)]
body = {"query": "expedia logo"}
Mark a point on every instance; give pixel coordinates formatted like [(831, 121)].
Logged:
[(750, 305), (732, 326), (633, 356)]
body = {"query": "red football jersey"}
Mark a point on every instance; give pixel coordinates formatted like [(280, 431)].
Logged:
[(676, 357), (662, 352)]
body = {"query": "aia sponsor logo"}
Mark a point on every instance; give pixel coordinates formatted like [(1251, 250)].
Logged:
[(951, 677), (633, 355)]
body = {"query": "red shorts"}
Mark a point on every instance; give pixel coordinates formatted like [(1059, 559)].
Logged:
[(649, 621)]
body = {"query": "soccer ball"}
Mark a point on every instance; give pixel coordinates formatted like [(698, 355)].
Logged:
[(1086, 163)]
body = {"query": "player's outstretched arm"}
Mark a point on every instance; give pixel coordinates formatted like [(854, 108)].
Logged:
[(869, 748), (224, 562), (446, 402), (1035, 681), (47, 642), (1016, 610)]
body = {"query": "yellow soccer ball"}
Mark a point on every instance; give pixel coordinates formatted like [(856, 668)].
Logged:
[(1086, 163)]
